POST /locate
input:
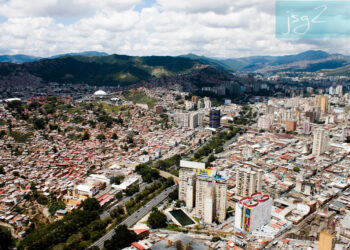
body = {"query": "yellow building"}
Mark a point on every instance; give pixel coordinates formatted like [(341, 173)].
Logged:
[(327, 240), (322, 102)]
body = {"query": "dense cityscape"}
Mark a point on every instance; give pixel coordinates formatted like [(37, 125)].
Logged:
[(155, 168), (174, 125)]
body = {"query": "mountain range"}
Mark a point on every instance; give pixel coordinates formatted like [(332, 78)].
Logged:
[(98, 68), (311, 61), (19, 58)]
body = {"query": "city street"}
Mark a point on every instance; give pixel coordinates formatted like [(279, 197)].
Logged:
[(132, 219), (106, 213)]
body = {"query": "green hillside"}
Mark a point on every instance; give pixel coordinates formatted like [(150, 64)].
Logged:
[(108, 70)]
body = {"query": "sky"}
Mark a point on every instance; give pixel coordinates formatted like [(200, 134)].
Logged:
[(213, 28)]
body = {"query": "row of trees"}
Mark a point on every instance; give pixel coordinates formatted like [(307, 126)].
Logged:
[(216, 143), (77, 230), (148, 173), (122, 238), (147, 194), (6, 240), (168, 163)]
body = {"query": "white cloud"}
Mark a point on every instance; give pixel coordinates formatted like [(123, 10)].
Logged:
[(62, 8), (221, 28)]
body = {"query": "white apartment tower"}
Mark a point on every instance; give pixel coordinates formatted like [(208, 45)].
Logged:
[(211, 198), (264, 123), (187, 177), (200, 104), (207, 103), (253, 212), (339, 90), (248, 181), (320, 143), (203, 190), (191, 120)]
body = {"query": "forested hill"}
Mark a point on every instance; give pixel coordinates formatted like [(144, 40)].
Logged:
[(101, 70)]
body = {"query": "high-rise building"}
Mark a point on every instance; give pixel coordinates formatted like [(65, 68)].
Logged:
[(200, 104), (307, 127), (187, 177), (345, 133), (327, 240), (204, 190), (320, 142), (193, 120), (248, 181), (270, 109), (339, 90), (195, 99), (264, 123), (322, 102), (247, 152), (291, 126), (317, 112), (310, 90), (214, 118), (211, 195), (200, 119), (182, 119), (189, 105), (310, 115), (253, 212), (207, 103)]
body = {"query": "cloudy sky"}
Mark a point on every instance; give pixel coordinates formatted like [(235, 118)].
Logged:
[(216, 28)]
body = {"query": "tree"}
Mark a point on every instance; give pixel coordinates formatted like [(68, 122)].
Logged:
[(174, 195), (118, 195), (6, 240), (157, 219), (122, 238), (117, 212), (91, 204), (347, 139), (39, 123), (215, 239), (2, 171), (86, 136), (216, 220), (169, 181), (56, 205), (296, 169), (14, 104), (132, 189), (178, 203), (114, 136), (117, 179), (2, 134), (211, 158), (45, 237), (101, 137)]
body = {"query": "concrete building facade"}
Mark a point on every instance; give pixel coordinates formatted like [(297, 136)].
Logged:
[(248, 181), (320, 142), (253, 212)]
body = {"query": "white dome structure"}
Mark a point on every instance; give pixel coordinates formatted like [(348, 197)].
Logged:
[(100, 93)]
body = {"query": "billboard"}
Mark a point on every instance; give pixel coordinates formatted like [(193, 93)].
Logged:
[(246, 219), (202, 172)]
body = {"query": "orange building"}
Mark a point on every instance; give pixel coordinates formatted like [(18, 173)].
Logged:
[(291, 126)]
